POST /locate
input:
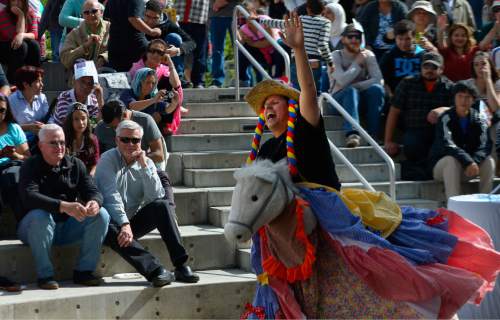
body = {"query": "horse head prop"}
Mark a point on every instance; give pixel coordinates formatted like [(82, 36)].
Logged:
[(263, 190)]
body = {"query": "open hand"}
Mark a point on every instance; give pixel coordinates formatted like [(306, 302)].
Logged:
[(294, 34)]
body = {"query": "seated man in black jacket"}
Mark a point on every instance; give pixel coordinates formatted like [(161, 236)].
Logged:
[(61, 206), (181, 43), (462, 146)]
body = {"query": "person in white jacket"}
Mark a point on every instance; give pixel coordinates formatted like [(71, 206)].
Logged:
[(356, 84)]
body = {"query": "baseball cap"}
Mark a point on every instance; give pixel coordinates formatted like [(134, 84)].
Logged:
[(496, 3), (432, 57)]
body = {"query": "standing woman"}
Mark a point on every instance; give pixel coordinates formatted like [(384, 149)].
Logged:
[(156, 58), (18, 31), (80, 142)]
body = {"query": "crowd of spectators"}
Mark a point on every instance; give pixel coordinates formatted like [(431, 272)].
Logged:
[(420, 76)]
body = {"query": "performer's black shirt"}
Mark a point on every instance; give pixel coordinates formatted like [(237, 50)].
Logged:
[(312, 150)]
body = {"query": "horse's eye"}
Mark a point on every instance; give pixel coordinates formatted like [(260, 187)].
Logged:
[(255, 198)]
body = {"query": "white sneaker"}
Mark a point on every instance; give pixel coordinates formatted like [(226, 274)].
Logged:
[(352, 141)]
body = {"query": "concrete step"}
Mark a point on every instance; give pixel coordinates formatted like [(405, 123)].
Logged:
[(218, 216), (220, 294), (211, 95), (55, 77), (206, 245), (229, 141), (224, 177), (244, 259), (236, 125), (218, 109)]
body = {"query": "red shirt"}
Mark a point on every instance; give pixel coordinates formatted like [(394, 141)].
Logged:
[(8, 25), (458, 67)]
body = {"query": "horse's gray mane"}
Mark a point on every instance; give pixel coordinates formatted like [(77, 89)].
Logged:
[(265, 167)]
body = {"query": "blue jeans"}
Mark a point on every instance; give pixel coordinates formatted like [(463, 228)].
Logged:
[(55, 42), (370, 100), (176, 40), (295, 81), (219, 26), (39, 230)]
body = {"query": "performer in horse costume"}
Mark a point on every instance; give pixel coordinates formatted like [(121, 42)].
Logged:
[(320, 251)]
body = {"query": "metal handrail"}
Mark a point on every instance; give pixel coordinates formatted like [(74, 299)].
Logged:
[(369, 139), (238, 46)]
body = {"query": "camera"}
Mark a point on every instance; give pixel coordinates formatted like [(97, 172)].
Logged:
[(168, 96)]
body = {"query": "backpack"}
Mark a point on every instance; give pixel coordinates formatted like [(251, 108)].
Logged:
[(113, 84)]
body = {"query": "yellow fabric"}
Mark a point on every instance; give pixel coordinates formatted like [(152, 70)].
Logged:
[(263, 279), (375, 209)]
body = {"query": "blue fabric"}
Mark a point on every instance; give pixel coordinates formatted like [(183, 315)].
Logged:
[(23, 112), (413, 239), (140, 75), (264, 295), (13, 137), (464, 124), (176, 40), (219, 27), (39, 230)]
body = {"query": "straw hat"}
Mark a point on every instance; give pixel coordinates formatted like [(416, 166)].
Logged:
[(424, 5), (266, 88)]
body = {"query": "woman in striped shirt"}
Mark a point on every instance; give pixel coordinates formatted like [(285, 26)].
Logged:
[(316, 38), (18, 31)]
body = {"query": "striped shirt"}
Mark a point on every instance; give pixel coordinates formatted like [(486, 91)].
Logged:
[(8, 25), (316, 35), (192, 11), (64, 102)]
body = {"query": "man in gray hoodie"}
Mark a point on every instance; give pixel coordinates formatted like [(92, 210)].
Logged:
[(133, 196)]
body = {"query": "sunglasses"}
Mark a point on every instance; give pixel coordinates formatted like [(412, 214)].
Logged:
[(3, 110), (56, 143), (429, 66), (353, 36), (90, 11), (157, 51), (496, 9), (129, 140)]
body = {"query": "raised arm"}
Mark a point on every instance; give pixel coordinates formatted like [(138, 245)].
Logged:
[(294, 38)]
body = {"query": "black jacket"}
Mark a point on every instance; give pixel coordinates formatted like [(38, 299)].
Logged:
[(472, 146), (166, 26), (50, 17), (42, 186)]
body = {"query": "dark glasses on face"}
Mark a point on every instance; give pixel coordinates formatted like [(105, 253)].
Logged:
[(353, 36), (56, 143), (90, 11), (129, 140), (157, 51), (3, 110), (429, 66), (496, 9)]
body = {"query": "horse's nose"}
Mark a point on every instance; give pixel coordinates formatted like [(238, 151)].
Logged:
[(239, 237)]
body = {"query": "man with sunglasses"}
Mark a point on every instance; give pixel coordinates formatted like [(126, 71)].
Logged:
[(133, 194), (357, 83), (417, 103), (89, 41), (61, 205)]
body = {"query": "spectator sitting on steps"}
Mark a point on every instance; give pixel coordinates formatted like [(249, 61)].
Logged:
[(462, 146), (418, 102), (133, 194)]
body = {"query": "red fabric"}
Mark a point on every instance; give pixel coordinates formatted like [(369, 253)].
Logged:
[(8, 25), (176, 121), (189, 3), (392, 277), (458, 67), (429, 85)]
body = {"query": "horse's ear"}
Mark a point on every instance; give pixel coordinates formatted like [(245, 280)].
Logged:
[(266, 176)]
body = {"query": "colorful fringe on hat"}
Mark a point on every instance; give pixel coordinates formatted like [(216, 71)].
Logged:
[(290, 136)]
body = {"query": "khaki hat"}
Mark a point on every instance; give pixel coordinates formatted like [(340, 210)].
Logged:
[(266, 88), (421, 4)]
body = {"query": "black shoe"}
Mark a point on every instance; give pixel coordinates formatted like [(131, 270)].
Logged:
[(161, 277), (10, 286), (48, 283), (86, 278), (184, 274)]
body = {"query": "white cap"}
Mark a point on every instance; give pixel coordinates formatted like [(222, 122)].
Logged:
[(85, 69)]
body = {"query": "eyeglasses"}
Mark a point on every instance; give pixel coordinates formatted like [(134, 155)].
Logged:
[(429, 66), (56, 143), (3, 110), (157, 51), (353, 36), (129, 140), (90, 11)]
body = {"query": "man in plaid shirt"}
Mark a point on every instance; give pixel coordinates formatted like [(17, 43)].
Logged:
[(193, 18)]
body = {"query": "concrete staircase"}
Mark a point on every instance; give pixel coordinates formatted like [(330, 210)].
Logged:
[(214, 142)]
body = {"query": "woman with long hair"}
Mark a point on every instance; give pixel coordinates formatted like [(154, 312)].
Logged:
[(80, 142), (156, 58), (18, 31), (144, 96)]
